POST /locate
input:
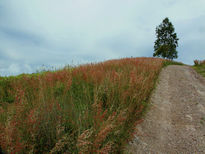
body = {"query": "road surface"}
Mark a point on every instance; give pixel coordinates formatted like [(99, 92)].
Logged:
[(175, 122)]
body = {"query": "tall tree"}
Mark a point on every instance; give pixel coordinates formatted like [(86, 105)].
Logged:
[(167, 41)]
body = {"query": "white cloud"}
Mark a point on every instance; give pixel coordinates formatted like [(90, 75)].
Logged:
[(14, 68)]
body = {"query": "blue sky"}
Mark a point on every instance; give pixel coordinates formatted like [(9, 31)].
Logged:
[(56, 33)]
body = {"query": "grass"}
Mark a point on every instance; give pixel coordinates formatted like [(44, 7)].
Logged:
[(171, 62), (200, 68), (92, 108)]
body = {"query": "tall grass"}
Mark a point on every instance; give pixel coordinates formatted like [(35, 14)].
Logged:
[(92, 108)]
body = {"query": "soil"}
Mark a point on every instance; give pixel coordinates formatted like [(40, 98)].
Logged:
[(175, 122)]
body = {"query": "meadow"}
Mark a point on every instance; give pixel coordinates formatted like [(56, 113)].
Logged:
[(91, 108)]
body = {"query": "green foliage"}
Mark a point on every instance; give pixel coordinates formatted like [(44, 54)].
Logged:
[(199, 66), (6, 91), (170, 62), (167, 41)]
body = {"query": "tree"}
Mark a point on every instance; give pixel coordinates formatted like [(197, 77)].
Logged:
[(167, 41)]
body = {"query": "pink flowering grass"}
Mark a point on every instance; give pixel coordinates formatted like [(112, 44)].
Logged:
[(92, 108)]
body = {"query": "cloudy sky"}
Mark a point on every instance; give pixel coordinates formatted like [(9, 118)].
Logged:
[(55, 33)]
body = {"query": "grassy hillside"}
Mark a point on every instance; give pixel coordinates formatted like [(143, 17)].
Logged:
[(200, 67), (88, 109)]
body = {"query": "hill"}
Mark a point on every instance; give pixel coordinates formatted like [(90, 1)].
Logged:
[(92, 108)]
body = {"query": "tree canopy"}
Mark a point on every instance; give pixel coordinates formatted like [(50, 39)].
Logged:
[(167, 41)]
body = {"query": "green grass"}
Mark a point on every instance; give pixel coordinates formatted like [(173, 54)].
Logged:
[(200, 69), (171, 62)]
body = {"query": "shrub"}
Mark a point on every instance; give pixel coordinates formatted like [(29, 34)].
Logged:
[(199, 62), (196, 62)]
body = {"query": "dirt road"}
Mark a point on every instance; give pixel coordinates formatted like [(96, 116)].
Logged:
[(175, 122)]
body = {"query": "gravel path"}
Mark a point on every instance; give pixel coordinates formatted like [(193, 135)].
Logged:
[(175, 122)]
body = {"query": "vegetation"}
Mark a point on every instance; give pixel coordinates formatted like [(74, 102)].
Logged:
[(92, 108), (199, 66), (171, 62), (167, 41)]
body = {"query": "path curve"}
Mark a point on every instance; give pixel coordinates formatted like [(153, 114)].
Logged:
[(175, 122)]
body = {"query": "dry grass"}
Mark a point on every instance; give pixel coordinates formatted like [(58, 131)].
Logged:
[(88, 109)]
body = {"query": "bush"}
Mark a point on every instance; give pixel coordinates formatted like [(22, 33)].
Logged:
[(199, 62)]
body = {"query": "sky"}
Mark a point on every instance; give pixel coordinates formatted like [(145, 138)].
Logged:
[(53, 33)]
